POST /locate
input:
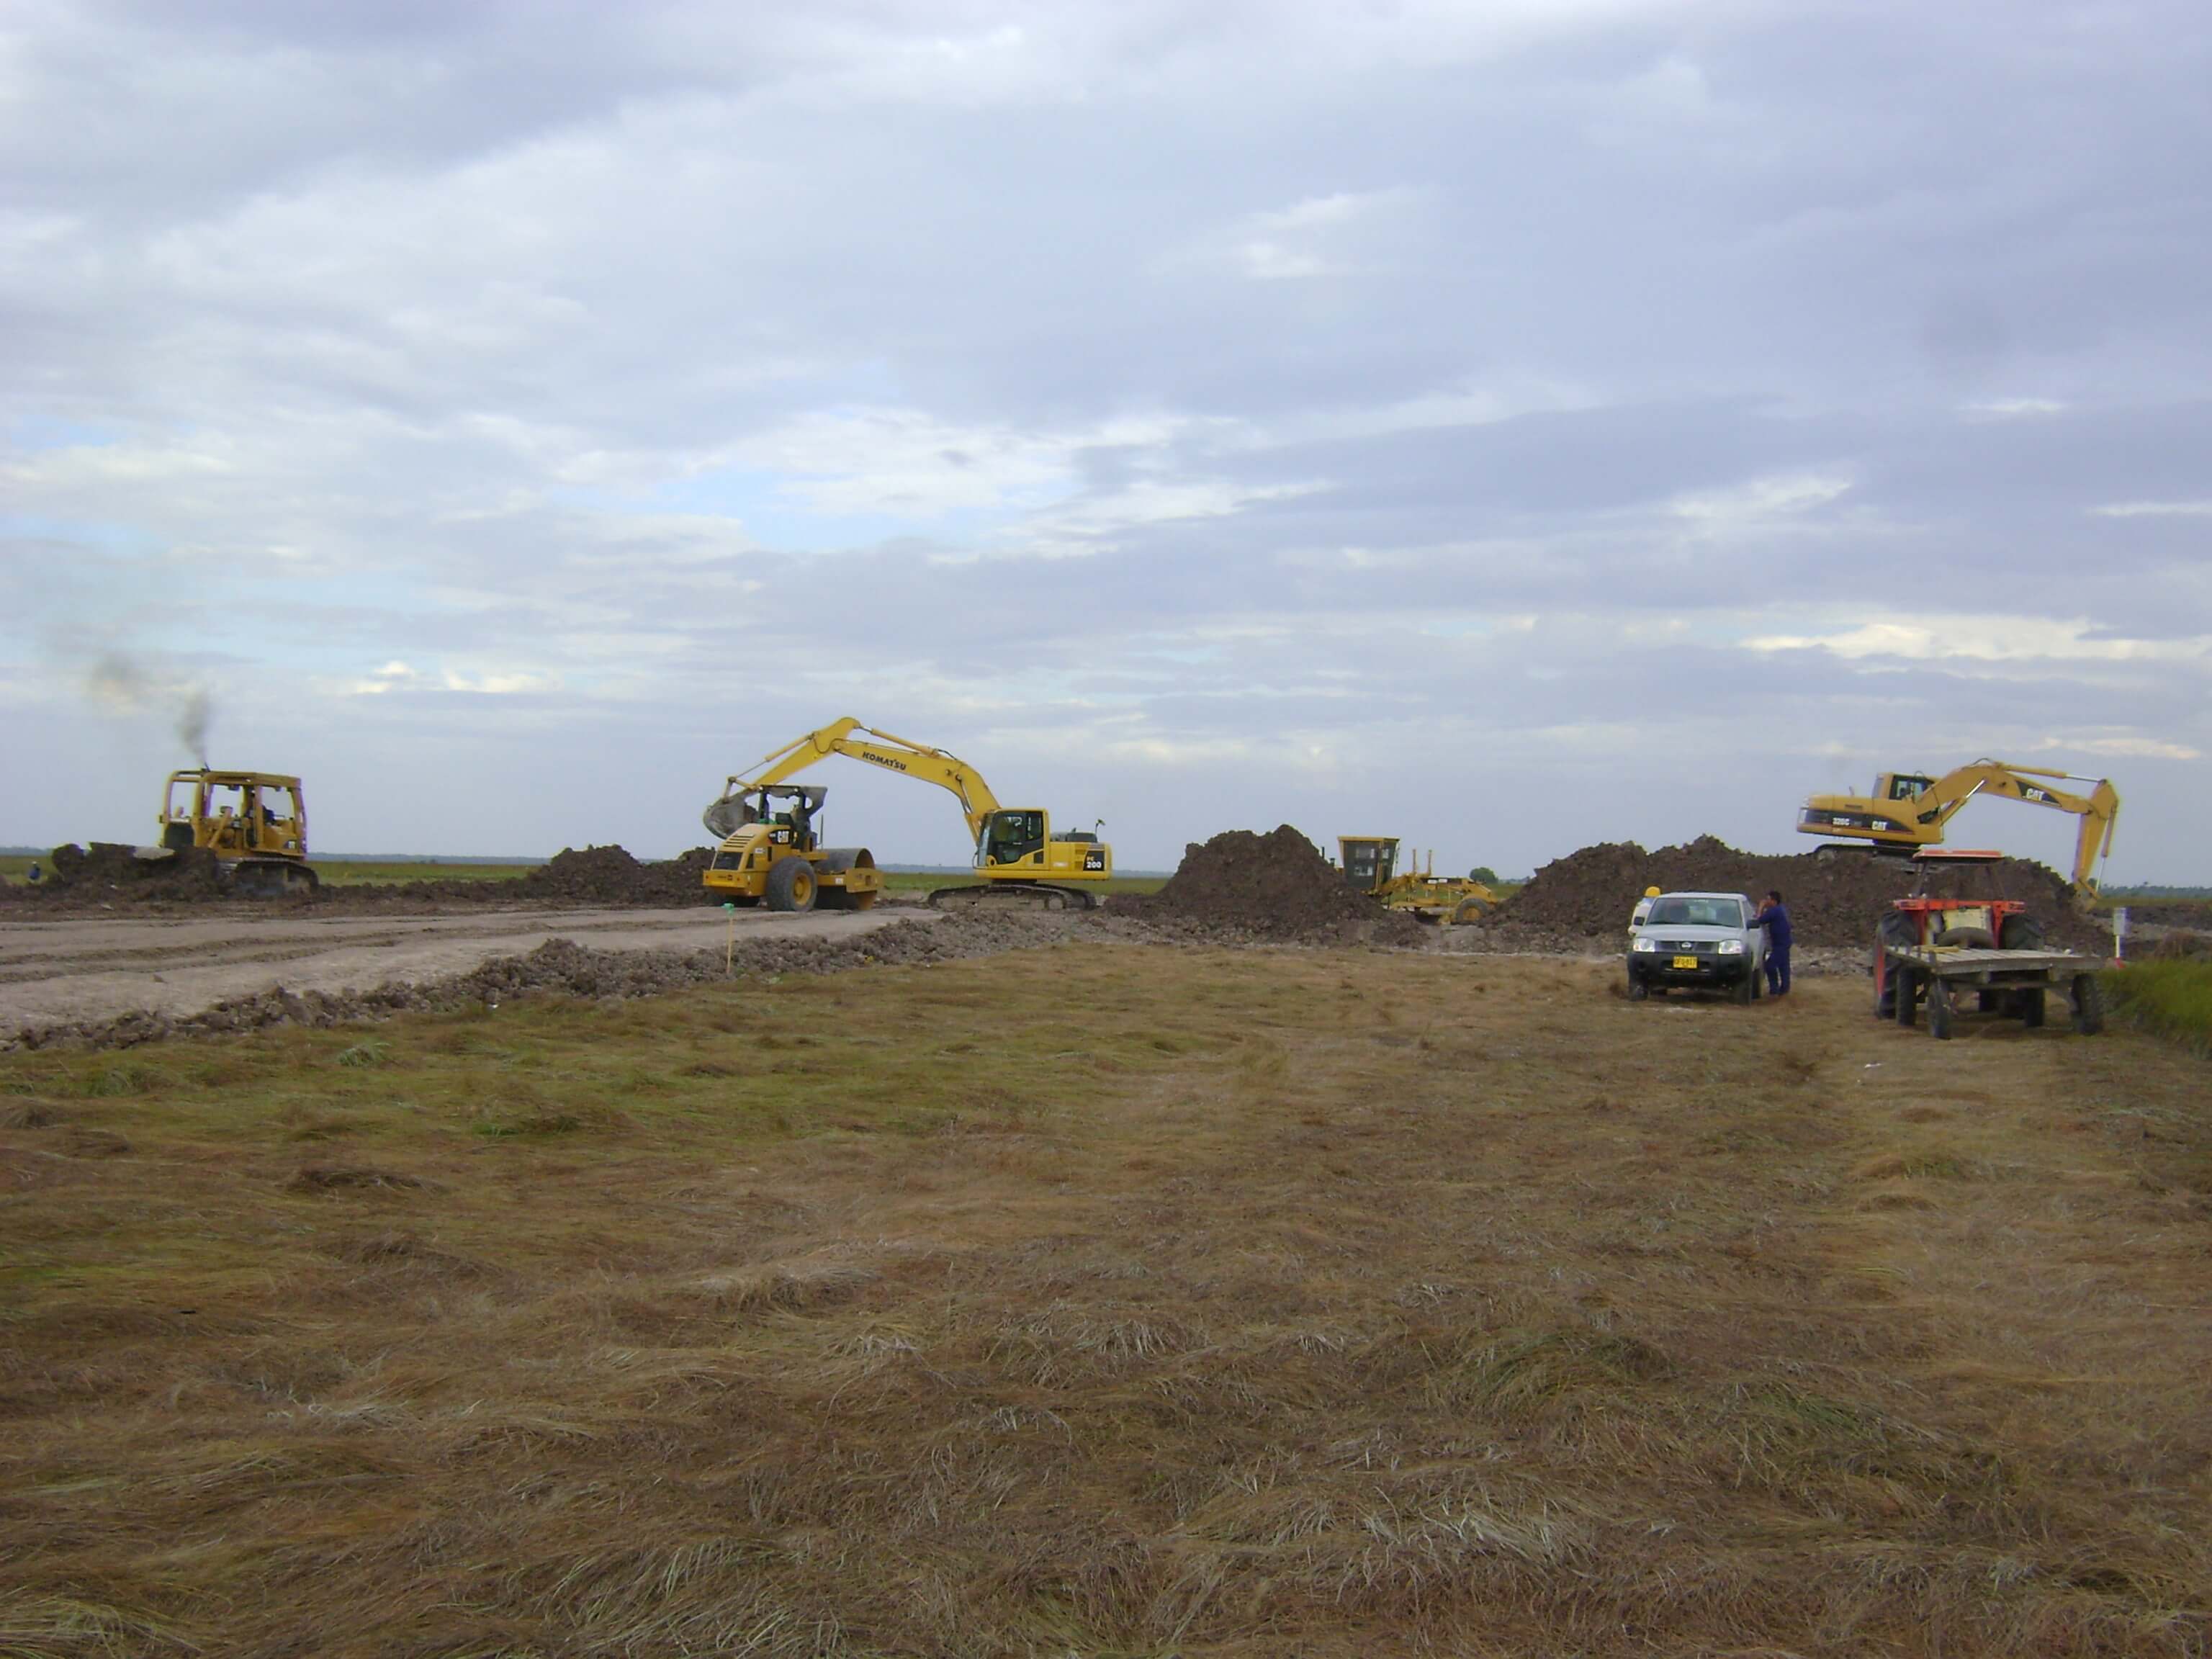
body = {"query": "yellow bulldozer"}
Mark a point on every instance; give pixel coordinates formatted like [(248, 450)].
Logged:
[(1018, 860), (1369, 864), (254, 823)]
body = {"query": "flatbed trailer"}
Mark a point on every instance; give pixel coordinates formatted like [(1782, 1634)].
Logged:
[(2011, 984)]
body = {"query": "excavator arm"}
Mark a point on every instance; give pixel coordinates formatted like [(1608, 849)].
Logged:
[(2099, 810), (849, 737)]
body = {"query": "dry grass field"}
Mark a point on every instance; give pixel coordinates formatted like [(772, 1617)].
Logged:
[(1111, 1301)]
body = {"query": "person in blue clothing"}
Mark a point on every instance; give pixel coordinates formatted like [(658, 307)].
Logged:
[(1776, 920)]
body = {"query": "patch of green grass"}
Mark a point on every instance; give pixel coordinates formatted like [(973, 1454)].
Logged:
[(361, 873), (2172, 999), (924, 881)]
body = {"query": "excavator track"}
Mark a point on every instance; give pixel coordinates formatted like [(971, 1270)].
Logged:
[(1012, 895)]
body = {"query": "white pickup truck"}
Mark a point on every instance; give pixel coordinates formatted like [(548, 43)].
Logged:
[(1697, 942)]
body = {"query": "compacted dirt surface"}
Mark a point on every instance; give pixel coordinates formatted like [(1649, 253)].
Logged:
[(73, 970)]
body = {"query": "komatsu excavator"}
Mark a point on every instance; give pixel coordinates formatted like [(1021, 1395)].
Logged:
[(1018, 860), (1907, 811)]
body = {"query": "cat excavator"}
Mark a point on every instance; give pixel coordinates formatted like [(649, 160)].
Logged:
[(1019, 861), (1907, 811)]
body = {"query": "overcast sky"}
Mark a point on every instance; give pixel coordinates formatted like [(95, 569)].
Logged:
[(1510, 426)]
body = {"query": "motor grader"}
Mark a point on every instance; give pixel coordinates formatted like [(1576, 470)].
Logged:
[(1370, 866), (254, 823)]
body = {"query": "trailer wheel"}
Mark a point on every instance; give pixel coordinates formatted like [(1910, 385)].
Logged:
[(2029, 1006), (1987, 1001), (2088, 1004), (791, 884), (1908, 991), (1939, 1010)]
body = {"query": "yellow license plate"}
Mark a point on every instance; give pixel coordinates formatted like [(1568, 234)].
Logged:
[(1686, 961)]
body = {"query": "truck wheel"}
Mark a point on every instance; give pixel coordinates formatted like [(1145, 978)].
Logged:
[(1743, 990), (2029, 1006), (791, 884), (2088, 1004), (1939, 1010), (2021, 934), (1637, 990)]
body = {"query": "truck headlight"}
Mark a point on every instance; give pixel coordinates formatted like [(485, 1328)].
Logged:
[(1643, 945), (1731, 947)]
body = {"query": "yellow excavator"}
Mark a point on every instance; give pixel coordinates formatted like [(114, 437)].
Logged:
[(1907, 811), (1018, 860)]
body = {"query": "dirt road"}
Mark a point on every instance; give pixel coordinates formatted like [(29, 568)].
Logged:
[(52, 972)]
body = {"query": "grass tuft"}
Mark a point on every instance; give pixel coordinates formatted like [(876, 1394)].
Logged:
[(2172, 999)]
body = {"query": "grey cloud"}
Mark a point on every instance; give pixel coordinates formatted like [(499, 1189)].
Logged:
[(399, 326)]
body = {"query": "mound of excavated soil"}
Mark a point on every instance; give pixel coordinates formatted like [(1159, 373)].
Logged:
[(108, 868), (1273, 886), (1835, 901), (606, 877)]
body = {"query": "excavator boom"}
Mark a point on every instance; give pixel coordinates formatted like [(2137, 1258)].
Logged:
[(1907, 813), (849, 737)]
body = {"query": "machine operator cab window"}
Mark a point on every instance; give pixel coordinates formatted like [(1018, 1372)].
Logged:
[(1011, 836), (1368, 864), (1905, 785)]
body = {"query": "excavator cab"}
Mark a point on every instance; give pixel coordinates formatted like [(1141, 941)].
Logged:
[(1902, 786), (1011, 835)]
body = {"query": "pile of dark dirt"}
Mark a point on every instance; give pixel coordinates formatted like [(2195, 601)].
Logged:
[(1275, 886), (108, 874), (561, 968), (610, 876), (108, 870), (1833, 902)]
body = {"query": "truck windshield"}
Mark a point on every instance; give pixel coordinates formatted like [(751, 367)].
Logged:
[(1695, 913)]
